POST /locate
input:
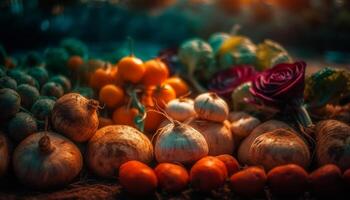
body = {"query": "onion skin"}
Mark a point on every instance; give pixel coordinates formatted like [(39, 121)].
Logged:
[(243, 156), (75, 116), (210, 106), (288, 180), (4, 154), (43, 165), (333, 143), (171, 177), (326, 181), (180, 109), (279, 147), (114, 145), (179, 143), (242, 127), (218, 136), (249, 182)]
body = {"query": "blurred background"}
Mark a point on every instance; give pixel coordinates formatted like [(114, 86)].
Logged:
[(316, 29)]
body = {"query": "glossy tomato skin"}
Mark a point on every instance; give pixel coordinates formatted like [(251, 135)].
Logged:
[(208, 173), (172, 178), (249, 182), (111, 95), (230, 162), (137, 178), (159, 95), (179, 85), (125, 116), (156, 72), (131, 69)]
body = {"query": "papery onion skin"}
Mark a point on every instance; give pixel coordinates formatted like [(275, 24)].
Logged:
[(114, 145), (75, 116), (211, 107), (333, 143), (179, 143), (267, 126), (274, 143), (42, 170), (180, 109), (217, 134)]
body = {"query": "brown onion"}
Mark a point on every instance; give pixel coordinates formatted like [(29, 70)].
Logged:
[(333, 143), (45, 160), (217, 134), (4, 154), (75, 116), (270, 145), (114, 145)]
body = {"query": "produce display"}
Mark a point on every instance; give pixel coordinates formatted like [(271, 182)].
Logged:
[(232, 118)]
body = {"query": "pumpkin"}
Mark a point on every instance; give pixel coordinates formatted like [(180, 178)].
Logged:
[(217, 134), (137, 178), (171, 177), (156, 72), (210, 106), (114, 145), (28, 94), (179, 85), (208, 173), (10, 102), (4, 154), (42, 108), (8, 82), (21, 126), (75, 116), (52, 89), (131, 69), (45, 160)]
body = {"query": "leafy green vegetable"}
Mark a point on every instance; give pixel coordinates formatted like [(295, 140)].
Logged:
[(328, 85)]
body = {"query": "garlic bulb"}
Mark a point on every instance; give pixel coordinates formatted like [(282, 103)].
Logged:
[(180, 109), (244, 126), (211, 107), (177, 142)]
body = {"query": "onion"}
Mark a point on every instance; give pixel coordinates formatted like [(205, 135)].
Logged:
[(273, 143), (21, 126), (211, 107), (10, 102), (218, 136), (333, 143), (180, 109), (177, 142), (4, 154), (45, 160), (75, 116), (114, 145)]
